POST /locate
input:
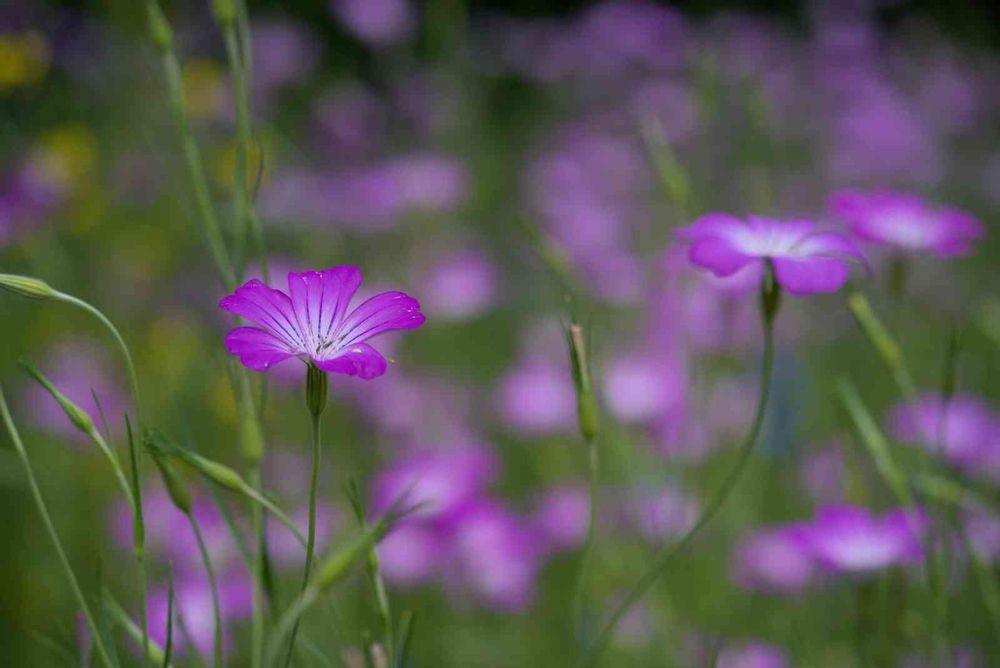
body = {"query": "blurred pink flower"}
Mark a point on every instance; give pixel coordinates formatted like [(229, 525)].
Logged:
[(850, 539), (806, 259), (907, 222)]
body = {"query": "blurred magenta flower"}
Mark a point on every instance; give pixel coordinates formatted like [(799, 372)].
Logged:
[(561, 517), (193, 609), (965, 430), (772, 561), (412, 552), (496, 557), (659, 514), (850, 539), (376, 22), (312, 322), (460, 285), (752, 655), (537, 398), (907, 222), (822, 473), (806, 259), (442, 481)]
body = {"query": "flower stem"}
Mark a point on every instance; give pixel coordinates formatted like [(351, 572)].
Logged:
[(257, 629), (589, 657), (162, 36), (210, 571), (579, 590), (316, 392), (99, 645)]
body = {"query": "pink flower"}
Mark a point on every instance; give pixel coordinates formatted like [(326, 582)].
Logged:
[(850, 539), (772, 561), (312, 322), (806, 259), (907, 222)]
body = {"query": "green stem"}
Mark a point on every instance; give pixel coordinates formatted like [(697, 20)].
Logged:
[(210, 571), (99, 645), (163, 38), (579, 590), (257, 638), (241, 200), (666, 555), (311, 532)]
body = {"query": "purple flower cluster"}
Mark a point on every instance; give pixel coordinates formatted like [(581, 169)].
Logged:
[(461, 536)]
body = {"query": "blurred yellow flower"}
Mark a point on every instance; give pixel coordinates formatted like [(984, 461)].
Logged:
[(24, 59), (66, 155), (258, 158), (204, 89)]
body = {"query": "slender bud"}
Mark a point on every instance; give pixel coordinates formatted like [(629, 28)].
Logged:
[(79, 417), (176, 488), (225, 12), (159, 28), (770, 293), (26, 286), (220, 474), (316, 389), (586, 404)]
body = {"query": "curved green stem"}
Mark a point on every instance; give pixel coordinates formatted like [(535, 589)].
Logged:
[(103, 319), (43, 510), (667, 554), (210, 571)]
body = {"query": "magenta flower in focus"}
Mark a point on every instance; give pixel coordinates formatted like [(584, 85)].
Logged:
[(907, 222), (850, 539), (312, 322), (806, 259)]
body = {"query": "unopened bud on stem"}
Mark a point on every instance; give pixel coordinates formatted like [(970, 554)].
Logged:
[(79, 417), (26, 286), (586, 404)]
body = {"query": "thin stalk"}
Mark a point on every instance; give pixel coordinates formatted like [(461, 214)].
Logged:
[(579, 590), (162, 36), (241, 200), (257, 627), (43, 510), (210, 571), (317, 385), (589, 657)]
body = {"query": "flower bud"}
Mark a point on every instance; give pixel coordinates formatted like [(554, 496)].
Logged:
[(176, 489), (586, 404), (26, 286), (79, 417), (159, 28), (225, 12)]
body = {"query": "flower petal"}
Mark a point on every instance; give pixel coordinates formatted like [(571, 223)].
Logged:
[(320, 298), (714, 225), (381, 313), (718, 255), (806, 276), (257, 349), (358, 360), (268, 308), (829, 244)]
